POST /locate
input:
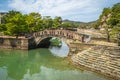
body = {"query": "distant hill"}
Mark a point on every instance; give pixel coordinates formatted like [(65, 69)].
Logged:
[(92, 22), (76, 22), (82, 24)]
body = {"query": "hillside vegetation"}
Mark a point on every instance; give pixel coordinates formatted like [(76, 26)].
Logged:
[(110, 21)]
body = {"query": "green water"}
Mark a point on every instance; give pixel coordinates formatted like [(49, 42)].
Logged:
[(40, 64)]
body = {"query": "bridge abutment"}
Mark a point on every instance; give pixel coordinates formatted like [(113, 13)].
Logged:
[(9, 42)]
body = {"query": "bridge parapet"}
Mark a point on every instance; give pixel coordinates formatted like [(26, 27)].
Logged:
[(59, 33)]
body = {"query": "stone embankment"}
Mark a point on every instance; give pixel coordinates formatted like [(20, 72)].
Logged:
[(10, 42), (104, 59)]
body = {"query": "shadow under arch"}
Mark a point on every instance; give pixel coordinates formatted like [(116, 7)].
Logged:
[(44, 42)]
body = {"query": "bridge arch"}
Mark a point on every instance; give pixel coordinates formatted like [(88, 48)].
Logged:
[(45, 41), (64, 35)]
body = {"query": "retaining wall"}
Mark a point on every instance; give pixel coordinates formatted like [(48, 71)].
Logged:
[(8, 42)]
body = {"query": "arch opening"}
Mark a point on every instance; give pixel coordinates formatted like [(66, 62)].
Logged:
[(61, 51), (44, 43)]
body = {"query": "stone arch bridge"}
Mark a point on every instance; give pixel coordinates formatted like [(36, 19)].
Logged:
[(36, 39), (66, 35)]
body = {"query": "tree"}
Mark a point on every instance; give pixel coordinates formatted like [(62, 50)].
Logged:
[(14, 23), (33, 21), (104, 21), (47, 22), (57, 22), (17, 24), (2, 27), (110, 21), (115, 23), (95, 25), (68, 25), (115, 33), (10, 14), (115, 18)]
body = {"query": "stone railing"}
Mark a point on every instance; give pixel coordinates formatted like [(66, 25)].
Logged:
[(65, 33)]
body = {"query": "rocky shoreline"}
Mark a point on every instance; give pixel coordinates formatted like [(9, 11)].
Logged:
[(99, 58)]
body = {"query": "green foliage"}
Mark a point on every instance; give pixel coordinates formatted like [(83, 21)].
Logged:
[(2, 27), (115, 23), (115, 18), (57, 22), (55, 42), (68, 25), (47, 22), (116, 8), (111, 21), (106, 12), (96, 24), (14, 23), (33, 21), (115, 33), (17, 24)]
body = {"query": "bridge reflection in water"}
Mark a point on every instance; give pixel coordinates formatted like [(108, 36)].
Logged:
[(60, 51)]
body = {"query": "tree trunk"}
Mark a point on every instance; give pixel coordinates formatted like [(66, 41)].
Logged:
[(16, 36), (118, 43), (108, 35), (118, 39)]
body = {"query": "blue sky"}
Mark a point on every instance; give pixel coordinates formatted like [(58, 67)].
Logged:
[(77, 10)]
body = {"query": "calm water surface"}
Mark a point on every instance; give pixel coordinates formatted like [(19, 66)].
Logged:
[(41, 64)]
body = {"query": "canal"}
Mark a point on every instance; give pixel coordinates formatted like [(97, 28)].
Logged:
[(41, 64)]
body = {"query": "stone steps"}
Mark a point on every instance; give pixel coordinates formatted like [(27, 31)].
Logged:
[(98, 61)]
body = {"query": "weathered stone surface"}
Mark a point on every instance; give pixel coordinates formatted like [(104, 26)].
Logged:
[(8, 42), (100, 58)]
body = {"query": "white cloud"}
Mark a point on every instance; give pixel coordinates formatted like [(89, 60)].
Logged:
[(71, 9)]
